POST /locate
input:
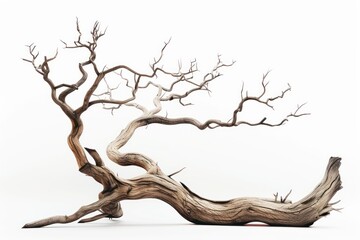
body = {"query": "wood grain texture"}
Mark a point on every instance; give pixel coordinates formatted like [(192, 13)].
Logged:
[(196, 209), (154, 183)]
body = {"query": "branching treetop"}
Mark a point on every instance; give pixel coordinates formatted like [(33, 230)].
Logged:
[(154, 183), (142, 80)]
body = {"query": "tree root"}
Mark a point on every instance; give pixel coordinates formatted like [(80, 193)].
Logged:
[(199, 210)]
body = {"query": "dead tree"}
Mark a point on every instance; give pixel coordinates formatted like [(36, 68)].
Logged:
[(155, 183)]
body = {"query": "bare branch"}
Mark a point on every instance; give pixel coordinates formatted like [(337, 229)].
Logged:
[(214, 123), (67, 85), (105, 101), (85, 210), (33, 55), (106, 98), (203, 86), (89, 45), (259, 99), (125, 79), (96, 33), (283, 200), (52, 58), (94, 218), (157, 103), (44, 70), (296, 114), (86, 102), (81, 81), (108, 91), (276, 196), (174, 173), (95, 155), (156, 61), (178, 77), (78, 29), (264, 84), (154, 183), (279, 96), (138, 106)]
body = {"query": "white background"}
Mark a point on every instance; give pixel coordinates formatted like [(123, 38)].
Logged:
[(310, 44)]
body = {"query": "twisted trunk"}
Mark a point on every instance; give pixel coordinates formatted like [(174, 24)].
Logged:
[(74, 141), (154, 183), (240, 211), (100, 173), (199, 210)]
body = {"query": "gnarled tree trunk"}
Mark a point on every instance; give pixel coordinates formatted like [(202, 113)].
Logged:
[(199, 210), (196, 209), (154, 183)]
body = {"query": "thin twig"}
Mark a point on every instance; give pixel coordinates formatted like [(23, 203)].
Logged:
[(172, 174)]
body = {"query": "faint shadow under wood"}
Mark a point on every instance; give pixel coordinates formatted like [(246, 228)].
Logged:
[(154, 183), (119, 223)]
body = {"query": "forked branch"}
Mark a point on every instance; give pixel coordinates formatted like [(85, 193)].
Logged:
[(83, 211), (154, 183)]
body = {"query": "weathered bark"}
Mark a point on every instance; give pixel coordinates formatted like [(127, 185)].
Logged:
[(241, 210), (154, 183), (199, 210)]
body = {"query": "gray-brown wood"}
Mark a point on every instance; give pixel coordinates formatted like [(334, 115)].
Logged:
[(154, 183), (242, 210), (199, 210)]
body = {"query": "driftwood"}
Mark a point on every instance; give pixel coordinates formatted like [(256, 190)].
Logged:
[(196, 209), (154, 183)]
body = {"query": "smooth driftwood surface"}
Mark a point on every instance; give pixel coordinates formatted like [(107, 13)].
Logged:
[(199, 210), (154, 183)]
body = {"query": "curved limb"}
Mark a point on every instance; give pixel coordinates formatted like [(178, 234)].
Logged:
[(200, 210), (154, 183), (94, 218), (75, 216), (241, 210), (128, 159)]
